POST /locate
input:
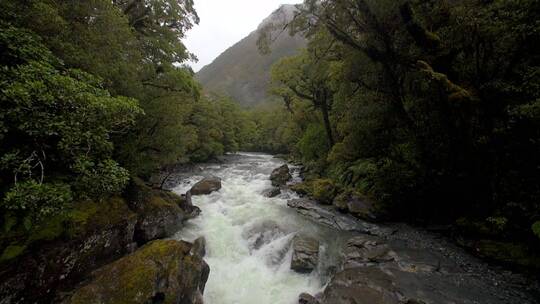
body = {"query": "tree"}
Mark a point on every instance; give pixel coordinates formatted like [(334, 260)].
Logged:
[(306, 78), (55, 131)]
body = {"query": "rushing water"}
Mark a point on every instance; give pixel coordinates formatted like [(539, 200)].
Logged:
[(248, 235)]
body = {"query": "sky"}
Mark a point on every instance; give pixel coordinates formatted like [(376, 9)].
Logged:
[(225, 22)]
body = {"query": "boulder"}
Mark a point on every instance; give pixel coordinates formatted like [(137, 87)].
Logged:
[(262, 233), (362, 207), (199, 247), (305, 256), (160, 214), (159, 272), (306, 298), (272, 192), (357, 205), (206, 186), (362, 285), (280, 176), (100, 233)]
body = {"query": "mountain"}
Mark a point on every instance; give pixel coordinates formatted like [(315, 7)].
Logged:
[(241, 72)]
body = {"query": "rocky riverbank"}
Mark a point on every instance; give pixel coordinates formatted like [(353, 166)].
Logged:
[(397, 263), (105, 252)]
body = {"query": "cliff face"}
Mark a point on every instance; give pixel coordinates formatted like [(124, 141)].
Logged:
[(241, 72)]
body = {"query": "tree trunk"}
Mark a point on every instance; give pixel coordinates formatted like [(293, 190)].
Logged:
[(327, 126)]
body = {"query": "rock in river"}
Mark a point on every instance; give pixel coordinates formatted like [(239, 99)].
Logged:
[(305, 255), (272, 192), (159, 272), (206, 186), (280, 176)]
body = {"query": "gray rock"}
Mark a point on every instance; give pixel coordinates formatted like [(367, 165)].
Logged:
[(306, 298), (365, 250), (328, 216), (280, 176), (262, 233), (206, 186), (199, 247), (273, 192), (305, 255), (362, 207), (362, 285)]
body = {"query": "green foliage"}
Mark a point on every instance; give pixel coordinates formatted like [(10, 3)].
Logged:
[(324, 190), (433, 107), (56, 129), (11, 252), (536, 228), (36, 202), (313, 145)]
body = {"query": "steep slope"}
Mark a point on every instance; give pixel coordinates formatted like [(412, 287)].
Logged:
[(241, 72)]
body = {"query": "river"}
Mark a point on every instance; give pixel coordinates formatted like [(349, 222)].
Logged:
[(248, 235), (249, 252)]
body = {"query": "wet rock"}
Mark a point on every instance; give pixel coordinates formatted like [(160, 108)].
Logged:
[(362, 207), (199, 247), (306, 298), (262, 233), (305, 255), (105, 234), (160, 213), (273, 192), (206, 186), (365, 250), (359, 206), (159, 272), (331, 218), (187, 206), (280, 176), (362, 285)]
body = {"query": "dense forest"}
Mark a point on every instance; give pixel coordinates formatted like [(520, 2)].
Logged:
[(430, 109)]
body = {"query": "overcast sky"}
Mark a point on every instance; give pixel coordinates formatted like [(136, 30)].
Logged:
[(223, 23)]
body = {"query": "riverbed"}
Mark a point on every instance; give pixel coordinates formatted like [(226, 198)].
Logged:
[(248, 237)]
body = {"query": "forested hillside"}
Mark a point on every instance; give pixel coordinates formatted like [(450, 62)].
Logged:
[(428, 109), (242, 72), (92, 94)]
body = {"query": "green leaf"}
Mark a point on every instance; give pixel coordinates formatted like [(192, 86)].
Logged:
[(536, 228)]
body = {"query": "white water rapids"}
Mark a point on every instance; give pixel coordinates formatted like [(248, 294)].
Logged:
[(248, 235)]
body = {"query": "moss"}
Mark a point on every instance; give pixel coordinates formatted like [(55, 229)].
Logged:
[(11, 252), (90, 215), (303, 188), (50, 230), (509, 253), (134, 278), (324, 190), (341, 201)]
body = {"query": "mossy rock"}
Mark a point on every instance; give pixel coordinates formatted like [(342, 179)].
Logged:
[(159, 272), (508, 253), (83, 219), (303, 188), (324, 191)]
